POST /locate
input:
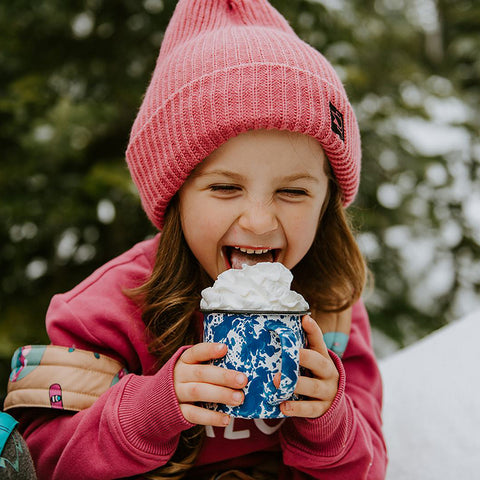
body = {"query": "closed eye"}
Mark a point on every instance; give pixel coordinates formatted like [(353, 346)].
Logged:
[(224, 188), (293, 192)]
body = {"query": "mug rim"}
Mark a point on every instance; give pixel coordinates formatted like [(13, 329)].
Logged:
[(258, 312)]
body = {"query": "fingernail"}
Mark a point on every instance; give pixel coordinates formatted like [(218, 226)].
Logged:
[(287, 407), (219, 347), (226, 420), (240, 378), (237, 397)]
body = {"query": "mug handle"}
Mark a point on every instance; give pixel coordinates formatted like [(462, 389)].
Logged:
[(290, 367)]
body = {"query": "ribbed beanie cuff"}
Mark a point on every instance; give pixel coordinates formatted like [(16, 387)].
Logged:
[(226, 67)]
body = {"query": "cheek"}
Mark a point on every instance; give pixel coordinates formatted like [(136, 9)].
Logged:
[(202, 228), (301, 233), (206, 222), (302, 236), (305, 223)]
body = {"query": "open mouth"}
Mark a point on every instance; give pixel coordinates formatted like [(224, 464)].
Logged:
[(236, 257)]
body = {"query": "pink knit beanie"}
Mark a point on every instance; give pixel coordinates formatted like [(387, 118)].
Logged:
[(225, 67)]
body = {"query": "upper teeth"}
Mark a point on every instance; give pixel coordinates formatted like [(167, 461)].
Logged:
[(249, 250)]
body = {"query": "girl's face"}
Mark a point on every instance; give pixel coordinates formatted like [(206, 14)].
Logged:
[(257, 198)]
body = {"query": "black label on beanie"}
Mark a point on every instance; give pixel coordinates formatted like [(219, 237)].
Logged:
[(337, 122)]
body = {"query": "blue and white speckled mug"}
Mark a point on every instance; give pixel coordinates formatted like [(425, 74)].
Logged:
[(259, 344)]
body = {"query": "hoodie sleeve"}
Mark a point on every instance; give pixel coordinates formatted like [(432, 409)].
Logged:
[(346, 442), (131, 429), (135, 425)]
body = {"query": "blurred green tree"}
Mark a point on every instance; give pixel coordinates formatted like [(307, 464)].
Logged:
[(72, 75)]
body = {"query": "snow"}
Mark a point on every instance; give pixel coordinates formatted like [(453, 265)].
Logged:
[(433, 138), (432, 405)]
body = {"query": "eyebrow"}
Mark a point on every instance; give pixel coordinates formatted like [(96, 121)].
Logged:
[(210, 173), (239, 177)]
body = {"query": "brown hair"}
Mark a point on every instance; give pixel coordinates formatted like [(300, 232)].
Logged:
[(169, 298), (332, 274), (331, 277)]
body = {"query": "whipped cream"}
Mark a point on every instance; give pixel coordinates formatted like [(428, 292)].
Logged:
[(264, 286)]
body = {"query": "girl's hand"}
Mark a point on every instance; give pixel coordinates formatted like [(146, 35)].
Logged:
[(319, 389), (197, 381)]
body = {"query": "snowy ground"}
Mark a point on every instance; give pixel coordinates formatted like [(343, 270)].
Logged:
[(432, 405)]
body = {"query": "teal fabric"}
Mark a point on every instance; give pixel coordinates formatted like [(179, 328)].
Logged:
[(15, 460), (7, 424), (20, 366), (336, 342)]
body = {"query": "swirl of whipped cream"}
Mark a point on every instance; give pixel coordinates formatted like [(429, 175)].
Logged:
[(264, 286)]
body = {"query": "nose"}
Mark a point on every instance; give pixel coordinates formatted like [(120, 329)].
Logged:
[(259, 218)]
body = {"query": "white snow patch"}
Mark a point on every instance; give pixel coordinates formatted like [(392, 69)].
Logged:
[(432, 139), (431, 405)]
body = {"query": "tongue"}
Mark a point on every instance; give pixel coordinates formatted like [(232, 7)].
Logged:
[(238, 258)]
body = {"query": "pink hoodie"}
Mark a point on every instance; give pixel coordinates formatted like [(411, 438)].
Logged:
[(134, 427)]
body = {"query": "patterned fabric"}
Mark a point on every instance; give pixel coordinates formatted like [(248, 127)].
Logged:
[(59, 377), (7, 424), (274, 80), (15, 460)]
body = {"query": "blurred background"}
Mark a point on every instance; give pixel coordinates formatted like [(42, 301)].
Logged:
[(72, 75)]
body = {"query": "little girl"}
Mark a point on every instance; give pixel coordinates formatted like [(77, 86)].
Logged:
[(245, 149)]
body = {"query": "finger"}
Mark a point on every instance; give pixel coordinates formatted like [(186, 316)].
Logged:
[(314, 335), (203, 352), (307, 409), (316, 389), (277, 379), (321, 366), (203, 392), (202, 416), (212, 374)]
